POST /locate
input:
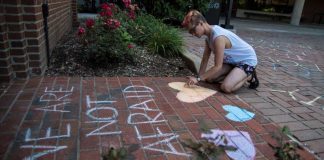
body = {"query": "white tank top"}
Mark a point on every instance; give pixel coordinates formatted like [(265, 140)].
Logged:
[(240, 52)]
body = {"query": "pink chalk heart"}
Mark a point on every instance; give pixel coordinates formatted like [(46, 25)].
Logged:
[(241, 140), (191, 94)]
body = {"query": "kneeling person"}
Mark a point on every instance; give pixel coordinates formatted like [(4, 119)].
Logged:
[(235, 60)]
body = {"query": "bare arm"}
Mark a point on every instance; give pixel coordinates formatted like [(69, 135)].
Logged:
[(204, 61), (219, 46)]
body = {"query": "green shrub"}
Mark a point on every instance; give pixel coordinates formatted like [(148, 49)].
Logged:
[(156, 36), (109, 46), (165, 41), (110, 38), (106, 39), (143, 26), (173, 8)]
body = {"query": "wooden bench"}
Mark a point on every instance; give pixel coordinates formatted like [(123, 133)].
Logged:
[(274, 15)]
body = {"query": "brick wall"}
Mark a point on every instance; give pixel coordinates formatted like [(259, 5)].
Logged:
[(22, 36)]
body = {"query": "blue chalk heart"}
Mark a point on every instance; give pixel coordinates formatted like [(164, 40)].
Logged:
[(237, 114)]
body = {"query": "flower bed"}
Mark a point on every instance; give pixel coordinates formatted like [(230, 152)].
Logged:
[(120, 42)]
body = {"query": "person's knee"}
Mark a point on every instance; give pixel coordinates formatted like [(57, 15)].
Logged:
[(227, 88)]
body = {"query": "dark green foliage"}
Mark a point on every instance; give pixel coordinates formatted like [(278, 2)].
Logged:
[(115, 154), (142, 27), (107, 43), (206, 150), (120, 153), (286, 150), (156, 36), (165, 41), (176, 9), (109, 47), (203, 126)]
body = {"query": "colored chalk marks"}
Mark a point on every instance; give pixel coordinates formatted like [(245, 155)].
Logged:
[(191, 94), (237, 114), (239, 139)]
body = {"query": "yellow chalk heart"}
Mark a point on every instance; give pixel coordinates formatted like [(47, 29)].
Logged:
[(191, 94)]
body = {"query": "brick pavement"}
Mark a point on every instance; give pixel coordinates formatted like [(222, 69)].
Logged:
[(291, 73), (80, 118)]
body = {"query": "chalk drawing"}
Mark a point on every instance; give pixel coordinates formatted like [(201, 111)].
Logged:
[(140, 96), (237, 114), (60, 90), (55, 98), (48, 134), (289, 92), (145, 89), (169, 145), (53, 108), (89, 102), (143, 106), (107, 119), (95, 119), (50, 149), (150, 120), (310, 103), (318, 68), (191, 94), (239, 139), (285, 65), (97, 131), (140, 137), (299, 57), (311, 67), (138, 89)]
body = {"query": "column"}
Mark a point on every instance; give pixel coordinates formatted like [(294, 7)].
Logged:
[(297, 12)]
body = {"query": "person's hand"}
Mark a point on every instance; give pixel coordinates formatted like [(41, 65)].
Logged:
[(191, 81)]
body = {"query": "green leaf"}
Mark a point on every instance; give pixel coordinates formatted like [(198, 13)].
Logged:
[(285, 130), (122, 152)]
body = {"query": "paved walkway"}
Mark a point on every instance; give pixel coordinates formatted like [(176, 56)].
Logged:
[(291, 74), (81, 118)]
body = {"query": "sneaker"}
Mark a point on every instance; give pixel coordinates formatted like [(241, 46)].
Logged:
[(254, 82)]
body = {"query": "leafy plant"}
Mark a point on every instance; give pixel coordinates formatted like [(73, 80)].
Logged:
[(156, 36), (142, 26), (106, 39), (176, 9), (115, 154), (206, 149), (111, 37), (165, 41), (286, 150), (121, 153)]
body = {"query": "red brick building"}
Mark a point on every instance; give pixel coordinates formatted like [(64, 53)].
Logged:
[(23, 51)]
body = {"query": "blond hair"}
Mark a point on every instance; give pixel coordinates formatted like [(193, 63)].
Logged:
[(192, 19)]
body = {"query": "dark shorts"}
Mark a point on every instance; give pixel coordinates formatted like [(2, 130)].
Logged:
[(246, 68)]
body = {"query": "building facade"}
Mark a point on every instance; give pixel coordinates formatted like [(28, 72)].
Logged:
[(296, 11), (23, 40)]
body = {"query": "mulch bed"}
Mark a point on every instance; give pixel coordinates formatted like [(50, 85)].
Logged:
[(66, 61)]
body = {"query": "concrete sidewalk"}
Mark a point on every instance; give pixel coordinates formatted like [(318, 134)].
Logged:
[(290, 70), (276, 27)]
